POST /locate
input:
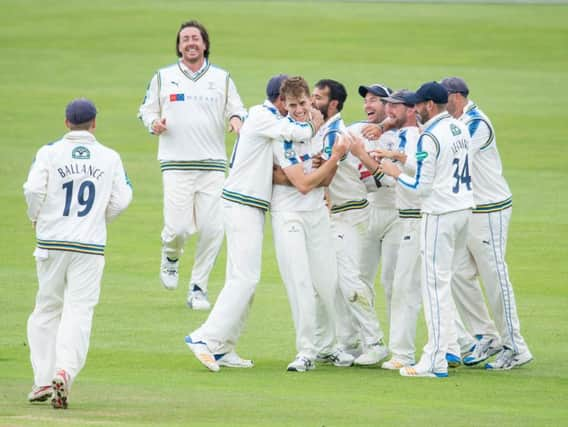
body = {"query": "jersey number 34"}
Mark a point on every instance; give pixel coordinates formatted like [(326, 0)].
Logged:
[(461, 175)]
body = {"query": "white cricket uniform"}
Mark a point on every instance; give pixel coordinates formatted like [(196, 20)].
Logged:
[(247, 193), (487, 240), (442, 181), (381, 242), (350, 222), (192, 156), (305, 253), (406, 291), (75, 186)]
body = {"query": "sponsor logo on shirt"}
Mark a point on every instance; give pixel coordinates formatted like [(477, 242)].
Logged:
[(177, 97), (81, 153)]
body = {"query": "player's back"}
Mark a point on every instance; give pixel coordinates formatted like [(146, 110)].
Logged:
[(80, 174), (451, 185)]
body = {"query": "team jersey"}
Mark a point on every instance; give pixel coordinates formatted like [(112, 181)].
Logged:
[(407, 201), (250, 169), (289, 198), (381, 188), (442, 177), (75, 186), (346, 191), (196, 107), (490, 189)]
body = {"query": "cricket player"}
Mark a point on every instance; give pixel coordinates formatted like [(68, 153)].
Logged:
[(406, 291), (302, 235), (187, 105), (381, 242), (247, 194), (443, 182), (74, 188), (487, 243), (350, 222)]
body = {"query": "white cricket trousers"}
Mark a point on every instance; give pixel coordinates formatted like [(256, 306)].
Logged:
[(59, 328), (192, 203), (442, 236), (349, 230), (487, 243), (244, 227), (473, 316), (406, 293), (306, 259), (380, 245)]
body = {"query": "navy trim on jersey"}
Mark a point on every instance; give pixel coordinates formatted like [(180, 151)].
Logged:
[(350, 206), (63, 245), (195, 165), (493, 207), (409, 213), (474, 120), (243, 199)]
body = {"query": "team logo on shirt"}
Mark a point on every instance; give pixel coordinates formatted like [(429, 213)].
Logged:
[(81, 153), (455, 130), (289, 153), (177, 97)]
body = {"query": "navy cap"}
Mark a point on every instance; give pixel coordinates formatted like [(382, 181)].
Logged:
[(273, 86), (455, 85), (403, 96), (80, 110), (431, 91), (377, 89)]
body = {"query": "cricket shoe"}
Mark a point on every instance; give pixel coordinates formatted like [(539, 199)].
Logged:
[(421, 371), (454, 361), (197, 299), (60, 389), (301, 364), (508, 359), (395, 364), (483, 349), (233, 360), (202, 353), (374, 354), (40, 393), (339, 358), (169, 272)]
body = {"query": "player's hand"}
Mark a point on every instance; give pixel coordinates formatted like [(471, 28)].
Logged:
[(341, 147), (371, 131), (316, 118), (389, 168), (379, 154), (317, 160), (357, 144), (235, 124), (159, 126)]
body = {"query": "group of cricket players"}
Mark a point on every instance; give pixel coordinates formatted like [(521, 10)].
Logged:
[(416, 188)]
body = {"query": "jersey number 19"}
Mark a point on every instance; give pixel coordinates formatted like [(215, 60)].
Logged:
[(85, 197)]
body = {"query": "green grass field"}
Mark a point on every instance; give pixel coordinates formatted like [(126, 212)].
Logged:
[(139, 372)]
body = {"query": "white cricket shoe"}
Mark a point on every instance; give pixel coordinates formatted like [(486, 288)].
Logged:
[(301, 364), (485, 347), (508, 359), (60, 389), (395, 364), (339, 358), (202, 353), (197, 299), (169, 272), (373, 355), (40, 393), (419, 370), (233, 360)]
